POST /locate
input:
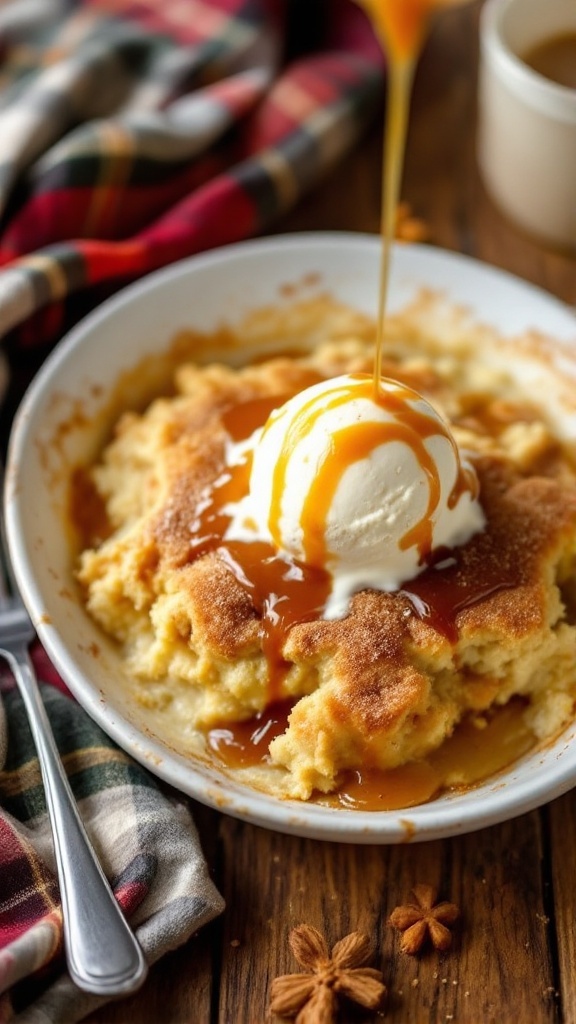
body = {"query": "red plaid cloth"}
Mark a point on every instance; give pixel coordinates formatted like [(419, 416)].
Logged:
[(133, 134), (137, 133), (146, 842)]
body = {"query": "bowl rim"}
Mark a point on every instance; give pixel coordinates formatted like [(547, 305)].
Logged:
[(446, 816)]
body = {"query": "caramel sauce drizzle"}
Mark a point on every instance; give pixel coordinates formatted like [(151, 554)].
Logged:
[(410, 426), (245, 744), (282, 591), (285, 592), (441, 592), (480, 747), (401, 27)]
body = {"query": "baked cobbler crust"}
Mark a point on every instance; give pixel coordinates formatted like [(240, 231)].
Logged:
[(385, 685)]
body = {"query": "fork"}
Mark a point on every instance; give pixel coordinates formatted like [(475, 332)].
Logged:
[(102, 953)]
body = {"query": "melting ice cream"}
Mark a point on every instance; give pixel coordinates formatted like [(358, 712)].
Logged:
[(365, 482)]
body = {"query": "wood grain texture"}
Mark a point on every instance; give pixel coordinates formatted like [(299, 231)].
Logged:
[(513, 957), (560, 832)]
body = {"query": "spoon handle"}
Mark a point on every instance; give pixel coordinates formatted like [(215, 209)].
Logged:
[(102, 953)]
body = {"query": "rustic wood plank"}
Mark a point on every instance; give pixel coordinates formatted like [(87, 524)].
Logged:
[(560, 819), (273, 884), (178, 989), (506, 962), (499, 968)]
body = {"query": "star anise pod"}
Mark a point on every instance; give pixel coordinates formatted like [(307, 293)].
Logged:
[(424, 919), (312, 998)]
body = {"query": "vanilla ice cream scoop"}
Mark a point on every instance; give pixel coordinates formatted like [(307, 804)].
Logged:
[(363, 483)]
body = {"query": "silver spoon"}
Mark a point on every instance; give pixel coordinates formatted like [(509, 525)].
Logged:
[(102, 953)]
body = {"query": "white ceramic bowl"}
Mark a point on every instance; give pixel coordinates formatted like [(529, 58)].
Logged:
[(59, 424)]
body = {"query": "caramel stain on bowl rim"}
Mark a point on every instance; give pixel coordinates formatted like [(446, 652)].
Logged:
[(93, 649), (410, 829), (308, 281)]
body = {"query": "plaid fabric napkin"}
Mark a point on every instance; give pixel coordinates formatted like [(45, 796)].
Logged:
[(134, 133), (146, 841), (137, 132)]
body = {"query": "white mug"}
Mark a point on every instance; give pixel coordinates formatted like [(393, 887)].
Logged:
[(527, 123)]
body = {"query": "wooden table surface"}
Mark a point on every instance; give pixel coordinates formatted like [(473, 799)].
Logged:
[(514, 955)]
